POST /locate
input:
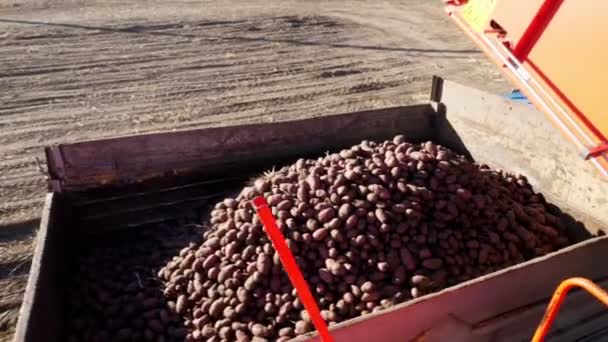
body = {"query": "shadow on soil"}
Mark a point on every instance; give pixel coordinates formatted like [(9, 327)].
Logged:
[(17, 234), (18, 230), (157, 30)]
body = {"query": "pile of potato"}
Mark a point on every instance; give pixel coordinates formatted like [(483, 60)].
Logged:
[(113, 292), (370, 226)]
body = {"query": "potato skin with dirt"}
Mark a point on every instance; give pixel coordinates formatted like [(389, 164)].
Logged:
[(370, 226)]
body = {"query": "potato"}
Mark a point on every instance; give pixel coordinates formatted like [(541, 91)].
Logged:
[(302, 327), (259, 330), (217, 307), (263, 263), (320, 234), (326, 215)]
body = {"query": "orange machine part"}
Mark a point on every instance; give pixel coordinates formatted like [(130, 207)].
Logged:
[(558, 298), (558, 46)]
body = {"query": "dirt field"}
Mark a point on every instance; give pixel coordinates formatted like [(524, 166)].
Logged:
[(76, 70)]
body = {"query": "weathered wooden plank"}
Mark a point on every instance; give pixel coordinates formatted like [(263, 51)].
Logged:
[(231, 149)]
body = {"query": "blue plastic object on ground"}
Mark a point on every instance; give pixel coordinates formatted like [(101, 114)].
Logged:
[(517, 96)]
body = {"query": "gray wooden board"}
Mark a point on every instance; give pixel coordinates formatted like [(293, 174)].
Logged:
[(215, 150)]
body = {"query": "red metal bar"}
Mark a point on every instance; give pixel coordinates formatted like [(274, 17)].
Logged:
[(536, 28), (597, 151), (558, 298), (291, 267)]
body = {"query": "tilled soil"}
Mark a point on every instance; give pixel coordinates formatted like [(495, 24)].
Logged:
[(74, 70)]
